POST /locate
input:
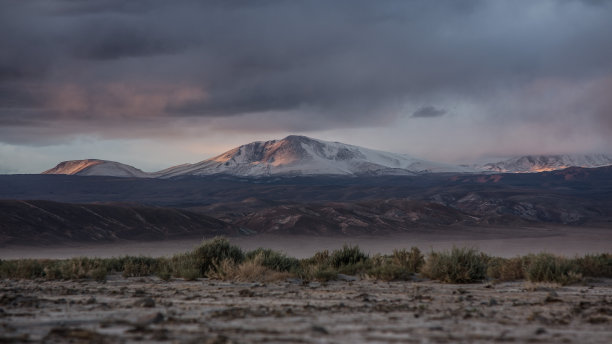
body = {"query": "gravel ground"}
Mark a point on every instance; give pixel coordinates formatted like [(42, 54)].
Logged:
[(351, 311)]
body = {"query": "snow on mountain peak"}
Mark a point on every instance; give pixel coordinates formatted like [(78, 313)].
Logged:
[(96, 167), (541, 163), (301, 155)]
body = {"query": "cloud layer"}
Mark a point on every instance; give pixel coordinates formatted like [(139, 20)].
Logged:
[(124, 69)]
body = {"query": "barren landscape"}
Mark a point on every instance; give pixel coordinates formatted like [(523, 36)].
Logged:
[(306, 171), (147, 309)]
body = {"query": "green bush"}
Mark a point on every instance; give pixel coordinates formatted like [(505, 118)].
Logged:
[(346, 256), (137, 266), (22, 268), (98, 274), (460, 265), (324, 274), (213, 252), (401, 265), (389, 272), (213, 256), (545, 267), (411, 260), (595, 265), (185, 265), (204, 259), (78, 268)]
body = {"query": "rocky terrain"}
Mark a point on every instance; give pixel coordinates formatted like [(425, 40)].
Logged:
[(53, 223), (47, 209), (292, 311), (539, 163)]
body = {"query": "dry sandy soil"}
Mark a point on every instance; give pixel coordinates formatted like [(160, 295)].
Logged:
[(292, 311)]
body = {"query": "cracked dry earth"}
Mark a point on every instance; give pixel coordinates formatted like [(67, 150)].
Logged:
[(208, 311)]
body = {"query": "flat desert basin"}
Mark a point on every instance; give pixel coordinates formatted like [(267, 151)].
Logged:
[(293, 311)]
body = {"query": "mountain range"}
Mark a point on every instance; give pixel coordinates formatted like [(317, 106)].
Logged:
[(303, 156), (45, 209)]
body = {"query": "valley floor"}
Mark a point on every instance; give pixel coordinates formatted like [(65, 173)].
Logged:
[(292, 311), (500, 241)]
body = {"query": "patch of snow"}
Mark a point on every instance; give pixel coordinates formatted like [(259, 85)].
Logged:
[(541, 163), (300, 155), (95, 167)]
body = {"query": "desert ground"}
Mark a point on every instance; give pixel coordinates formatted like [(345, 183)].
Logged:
[(502, 242), (351, 309), (292, 311)]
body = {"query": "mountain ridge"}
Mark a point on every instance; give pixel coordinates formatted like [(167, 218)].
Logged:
[(97, 167), (297, 155), (301, 155), (544, 163)]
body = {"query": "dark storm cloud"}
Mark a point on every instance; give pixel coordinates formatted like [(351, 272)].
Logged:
[(429, 111), (325, 63)]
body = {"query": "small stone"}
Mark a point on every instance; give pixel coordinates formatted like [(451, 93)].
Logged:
[(552, 297), (220, 339), (139, 292), (314, 284), (460, 291), (346, 278), (319, 329), (597, 320), (246, 293), (146, 302), (149, 319), (364, 297)]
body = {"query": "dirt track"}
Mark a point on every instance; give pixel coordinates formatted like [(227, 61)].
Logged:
[(151, 310)]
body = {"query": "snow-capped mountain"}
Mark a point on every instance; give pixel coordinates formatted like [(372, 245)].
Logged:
[(95, 167), (301, 155), (541, 163)]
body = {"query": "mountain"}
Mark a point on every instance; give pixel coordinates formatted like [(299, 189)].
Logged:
[(45, 222), (542, 163), (301, 155), (95, 167), (159, 209)]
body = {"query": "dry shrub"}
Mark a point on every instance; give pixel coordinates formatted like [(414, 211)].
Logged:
[(317, 272), (504, 269), (545, 267), (512, 269), (274, 260), (460, 265), (249, 271), (400, 266), (595, 265), (412, 260), (541, 286)]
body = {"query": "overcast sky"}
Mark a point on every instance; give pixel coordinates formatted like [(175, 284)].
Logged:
[(158, 83)]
